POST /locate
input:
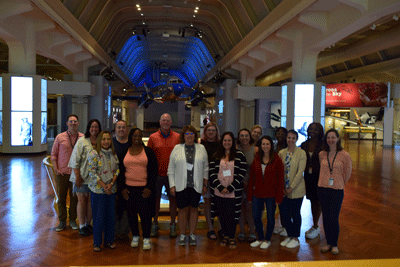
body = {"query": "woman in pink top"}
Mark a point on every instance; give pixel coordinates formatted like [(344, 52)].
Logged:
[(140, 169), (228, 167), (334, 173)]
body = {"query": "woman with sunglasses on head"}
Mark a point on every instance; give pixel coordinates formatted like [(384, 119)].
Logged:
[(312, 146), (138, 184), (294, 160), (80, 173), (210, 140), (188, 178), (103, 173), (227, 170), (266, 185), (246, 144), (335, 172)]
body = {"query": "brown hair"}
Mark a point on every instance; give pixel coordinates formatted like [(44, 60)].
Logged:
[(208, 125), (188, 128)]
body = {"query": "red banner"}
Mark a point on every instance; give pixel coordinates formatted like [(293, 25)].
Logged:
[(356, 95)]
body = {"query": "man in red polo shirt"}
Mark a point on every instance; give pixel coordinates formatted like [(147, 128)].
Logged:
[(60, 155), (162, 142)]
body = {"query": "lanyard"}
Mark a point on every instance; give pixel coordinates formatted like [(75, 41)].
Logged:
[(329, 164), (76, 139)]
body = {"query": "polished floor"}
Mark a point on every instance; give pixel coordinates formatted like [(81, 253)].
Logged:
[(370, 222)]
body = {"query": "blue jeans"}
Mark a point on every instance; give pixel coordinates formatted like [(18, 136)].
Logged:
[(258, 207), (103, 209), (331, 202), (291, 217)]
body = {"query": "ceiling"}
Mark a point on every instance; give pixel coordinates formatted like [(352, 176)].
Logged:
[(251, 37)]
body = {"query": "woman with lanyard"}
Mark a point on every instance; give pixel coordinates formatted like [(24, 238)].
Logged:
[(188, 178), (80, 172), (103, 173), (246, 144), (210, 140), (227, 170), (334, 174), (294, 159)]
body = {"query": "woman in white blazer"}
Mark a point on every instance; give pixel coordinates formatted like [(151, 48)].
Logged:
[(188, 177), (294, 159)]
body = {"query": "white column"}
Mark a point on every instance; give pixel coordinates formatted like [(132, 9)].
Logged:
[(140, 118), (231, 115)]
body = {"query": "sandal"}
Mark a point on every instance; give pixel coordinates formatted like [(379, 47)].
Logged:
[(252, 238), (211, 235), (241, 237), (96, 248), (232, 244), (111, 245), (224, 242)]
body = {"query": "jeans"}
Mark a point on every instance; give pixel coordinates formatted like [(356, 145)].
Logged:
[(258, 208), (290, 211), (331, 202), (103, 209)]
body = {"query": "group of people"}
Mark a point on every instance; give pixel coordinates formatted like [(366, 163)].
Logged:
[(118, 179)]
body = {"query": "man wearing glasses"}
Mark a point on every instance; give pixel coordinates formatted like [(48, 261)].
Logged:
[(162, 142), (60, 154)]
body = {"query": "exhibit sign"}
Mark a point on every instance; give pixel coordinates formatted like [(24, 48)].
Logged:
[(356, 95)]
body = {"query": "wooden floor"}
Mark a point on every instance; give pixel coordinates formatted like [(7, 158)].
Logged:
[(370, 222)]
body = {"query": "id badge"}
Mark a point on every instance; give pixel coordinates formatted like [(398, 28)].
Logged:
[(189, 166), (226, 173), (330, 181)]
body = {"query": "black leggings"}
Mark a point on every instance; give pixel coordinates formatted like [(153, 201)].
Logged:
[(226, 210), (142, 206)]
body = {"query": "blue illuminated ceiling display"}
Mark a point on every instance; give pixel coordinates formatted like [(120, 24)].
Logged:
[(152, 59)]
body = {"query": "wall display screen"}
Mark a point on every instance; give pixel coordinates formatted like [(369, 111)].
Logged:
[(303, 109), (44, 94), (1, 93), (1, 128), (21, 93), (221, 107), (356, 95), (21, 128), (44, 128)]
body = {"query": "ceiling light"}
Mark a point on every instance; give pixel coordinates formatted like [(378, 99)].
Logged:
[(137, 5), (144, 23), (396, 18), (141, 14), (195, 11), (191, 24), (194, 16), (197, 7), (139, 8)]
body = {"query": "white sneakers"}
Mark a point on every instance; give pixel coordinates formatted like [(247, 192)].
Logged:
[(283, 232), (261, 244), (135, 242), (290, 243), (146, 243), (312, 233)]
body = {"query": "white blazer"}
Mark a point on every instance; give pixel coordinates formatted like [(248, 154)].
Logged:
[(177, 169)]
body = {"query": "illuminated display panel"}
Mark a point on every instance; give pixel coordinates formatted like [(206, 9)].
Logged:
[(44, 128), (21, 111), (284, 101), (303, 109), (21, 93), (21, 128), (221, 107), (44, 94)]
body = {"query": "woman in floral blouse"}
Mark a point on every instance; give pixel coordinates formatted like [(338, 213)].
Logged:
[(103, 172)]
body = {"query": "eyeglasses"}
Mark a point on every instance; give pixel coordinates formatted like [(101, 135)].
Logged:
[(189, 133)]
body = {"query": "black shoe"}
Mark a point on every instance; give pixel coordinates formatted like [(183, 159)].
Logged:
[(89, 228), (84, 231)]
